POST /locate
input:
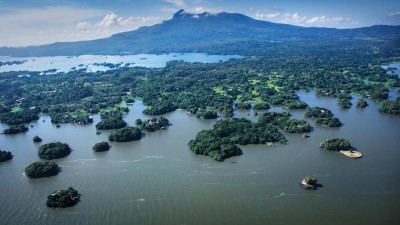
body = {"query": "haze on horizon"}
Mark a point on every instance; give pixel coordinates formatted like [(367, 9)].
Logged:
[(26, 23)]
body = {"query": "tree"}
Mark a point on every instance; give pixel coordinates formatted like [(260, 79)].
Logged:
[(41, 169), (36, 139), (101, 147), (125, 134), (335, 144), (63, 198), (54, 150), (5, 155)]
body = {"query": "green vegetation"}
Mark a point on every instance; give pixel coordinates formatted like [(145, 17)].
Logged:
[(261, 106), (19, 117), (125, 134), (36, 139), (154, 124), (243, 105), (329, 122), (63, 198), (318, 112), (42, 169), (54, 150), (5, 155), (220, 142), (206, 114), (344, 103), (361, 103), (101, 147), (15, 129), (309, 183), (335, 144), (58, 117), (295, 104), (391, 107), (283, 121), (111, 120)]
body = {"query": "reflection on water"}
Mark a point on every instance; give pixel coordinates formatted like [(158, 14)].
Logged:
[(157, 180)]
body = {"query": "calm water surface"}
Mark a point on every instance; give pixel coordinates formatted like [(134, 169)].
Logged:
[(157, 180), (90, 62)]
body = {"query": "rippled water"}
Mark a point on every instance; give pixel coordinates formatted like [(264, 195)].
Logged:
[(157, 180)]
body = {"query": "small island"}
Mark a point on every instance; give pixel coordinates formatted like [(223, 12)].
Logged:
[(110, 120), (125, 134), (318, 112), (294, 104), (54, 150), (261, 106), (63, 198), (329, 122), (154, 124), (335, 144), (36, 139), (243, 105), (42, 169), (101, 147), (341, 145), (16, 129), (309, 183), (5, 155), (361, 103), (206, 114)]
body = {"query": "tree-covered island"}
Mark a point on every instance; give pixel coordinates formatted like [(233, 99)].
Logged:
[(221, 142), (54, 150), (42, 169), (5, 155), (335, 144), (15, 129), (63, 198), (125, 134), (101, 147), (36, 139), (111, 120), (153, 124)]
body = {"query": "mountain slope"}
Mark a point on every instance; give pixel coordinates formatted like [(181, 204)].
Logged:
[(187, 32)]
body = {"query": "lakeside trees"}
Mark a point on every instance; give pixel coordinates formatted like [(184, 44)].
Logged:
[(318, 112), (41, 169), (54, 150), (391, 107)]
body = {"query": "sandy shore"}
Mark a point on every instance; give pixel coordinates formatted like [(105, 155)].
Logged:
[(352, 154)]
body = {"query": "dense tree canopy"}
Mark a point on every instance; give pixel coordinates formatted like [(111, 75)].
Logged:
[(41, 169), (5, 155), (336, 144), (101, 147), (125, 134), (54, 150), (15, 129), (63, 198)]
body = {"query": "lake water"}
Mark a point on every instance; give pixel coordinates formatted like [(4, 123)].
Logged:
[(158, 180), (91, 62), (393, 72)]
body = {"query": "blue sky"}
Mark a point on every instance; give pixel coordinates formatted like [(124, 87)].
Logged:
[(35, 22)]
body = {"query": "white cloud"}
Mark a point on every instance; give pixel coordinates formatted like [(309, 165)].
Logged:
[(280, 16), (394, 14), (293, 18), (177, 3), (112, 23), (63, 23)]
